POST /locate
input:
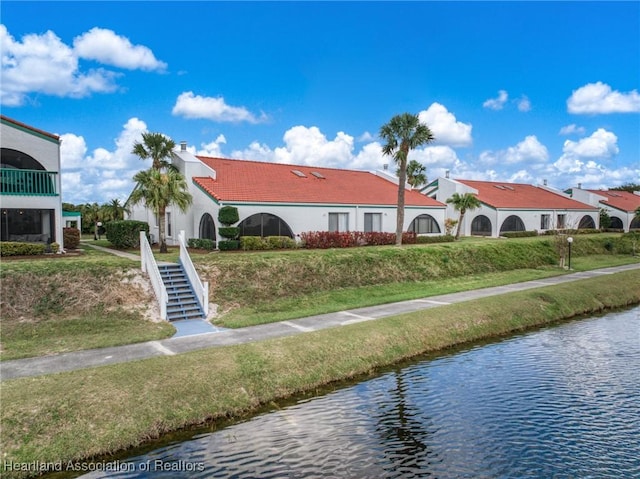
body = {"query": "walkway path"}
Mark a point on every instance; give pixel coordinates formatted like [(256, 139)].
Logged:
[(223, 337)]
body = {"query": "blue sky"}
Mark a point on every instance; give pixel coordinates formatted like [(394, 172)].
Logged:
[(513, 91)]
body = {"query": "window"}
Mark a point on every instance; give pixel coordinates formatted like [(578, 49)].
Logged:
[(207, 227), (481, 226), (264, 224), (561, 221), (339, 222), (586, 223), (512, 223), (372, 222), (424, 224), (545, 222)]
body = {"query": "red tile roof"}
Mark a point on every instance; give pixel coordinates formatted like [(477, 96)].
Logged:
[(621, 200), (518, 195), (254, 181)]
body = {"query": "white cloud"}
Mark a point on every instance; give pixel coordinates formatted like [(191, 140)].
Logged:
[(598, 97), (497, 103), (444, 126), (572, 129), (103, 174), (524, 104), (309, 146), (193, 106), (579, 156), (44, 64), (529, 151), (105, 46), (213, 149), (366, 137)]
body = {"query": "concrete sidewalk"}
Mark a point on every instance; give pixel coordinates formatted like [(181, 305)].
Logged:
[(223, 337)]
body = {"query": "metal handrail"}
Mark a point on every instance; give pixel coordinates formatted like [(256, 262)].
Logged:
[(201, 289), (149, 266)]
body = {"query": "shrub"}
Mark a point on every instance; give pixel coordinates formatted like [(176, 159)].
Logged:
[(228, 245), (256, 243), (71, 238), (201, 243), (12, 248), (435, 239), (54, 247), (230, 232), (125, 233), (228, 215), (519, 234), (281, 242), (334, 239)]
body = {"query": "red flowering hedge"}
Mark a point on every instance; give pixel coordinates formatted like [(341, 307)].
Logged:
[(333, 239)]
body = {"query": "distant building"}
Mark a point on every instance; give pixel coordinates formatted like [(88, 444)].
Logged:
[(31, 207), (619, 205), (286, 200), (511, 207)]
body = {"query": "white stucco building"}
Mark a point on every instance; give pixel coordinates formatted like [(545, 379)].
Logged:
[(31, 207), (511, 207), (285, 200), (619, 205)]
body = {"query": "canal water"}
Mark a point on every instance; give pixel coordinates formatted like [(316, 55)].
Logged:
[(560, 402)]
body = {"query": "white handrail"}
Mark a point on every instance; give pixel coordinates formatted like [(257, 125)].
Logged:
[(150, 267), (201, 289)]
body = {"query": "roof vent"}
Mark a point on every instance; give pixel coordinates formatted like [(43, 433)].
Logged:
[(318, 175), (183, 146), (298, 173), (544, 182), (579, 186), (446, 174)]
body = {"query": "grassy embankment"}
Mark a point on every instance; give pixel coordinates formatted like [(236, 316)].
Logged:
[(78, 415), (98, 300)]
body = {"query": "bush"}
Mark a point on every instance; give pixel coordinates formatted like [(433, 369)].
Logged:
[(230, 232), (334, 239), (71, 238), (519, 234), (228, 215), (12, 248), (257, 243), (201, 243), (228, 245), (54, 247), (125, 233), (435, 239)]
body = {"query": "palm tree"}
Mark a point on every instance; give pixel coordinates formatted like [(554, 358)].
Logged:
[(93, 213), (462, 203), (113, 211), (402, 134), (157, 147), (157, 190), (416, 174)]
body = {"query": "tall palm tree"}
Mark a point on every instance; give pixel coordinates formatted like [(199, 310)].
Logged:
[(158, 190), (93, 213), (416, 174), (113, 211), (463, 203), (402, 134), (157, 147)]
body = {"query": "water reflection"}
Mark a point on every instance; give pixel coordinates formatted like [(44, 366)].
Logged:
[(560, 402)]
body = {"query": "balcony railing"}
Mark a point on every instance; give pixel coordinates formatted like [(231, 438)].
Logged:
[(27, 182)]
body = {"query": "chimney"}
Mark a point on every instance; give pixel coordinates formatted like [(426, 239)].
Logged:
[(579, 186), (183, 146), (544, 182), (446, 174), (385, 167)]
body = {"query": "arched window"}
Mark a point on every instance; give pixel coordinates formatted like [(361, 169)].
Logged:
[(207, 227), (586, 223), (23, 175), (264, 224), (635, 224), (616, 223), (424, 224), (512, 223), (481, 226), (18, 160)]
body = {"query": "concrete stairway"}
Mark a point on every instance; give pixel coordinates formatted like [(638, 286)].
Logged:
[(183, 303)]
